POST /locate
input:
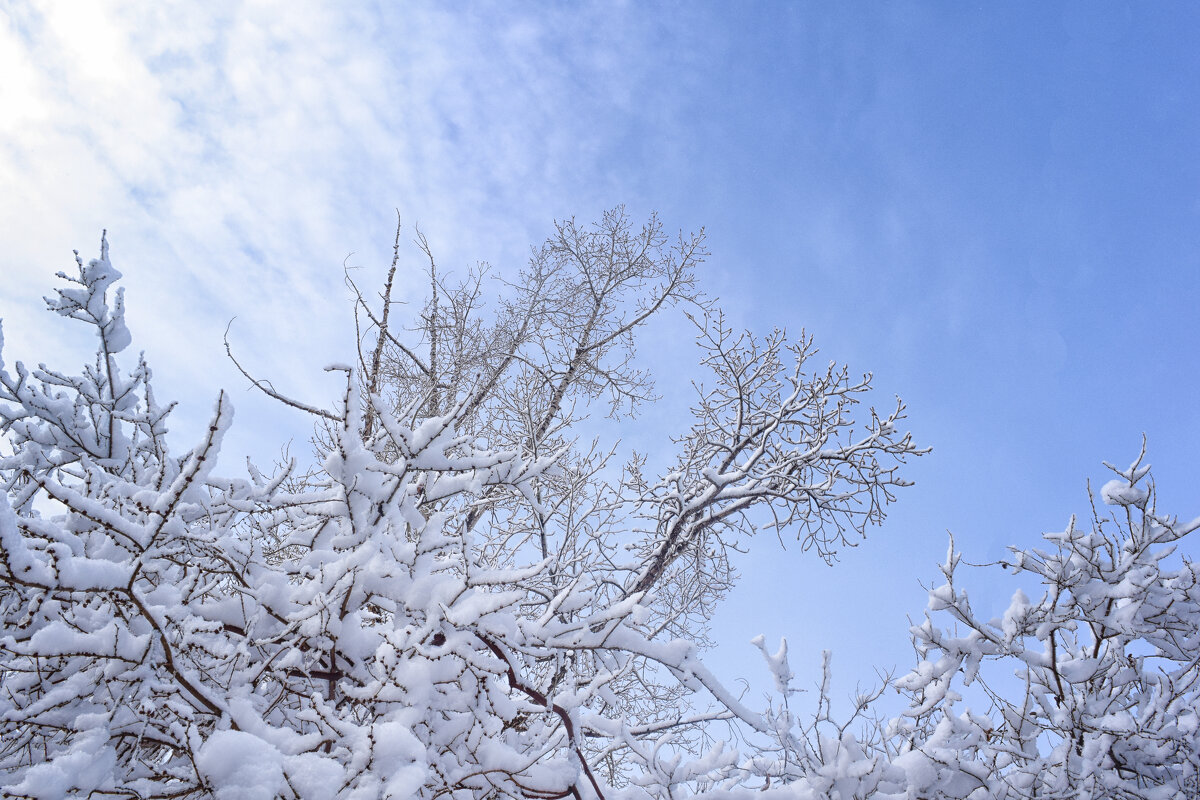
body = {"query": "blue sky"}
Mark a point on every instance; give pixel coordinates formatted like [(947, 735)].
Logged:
[(995, 209)]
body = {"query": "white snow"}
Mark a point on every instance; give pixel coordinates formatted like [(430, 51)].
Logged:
[(240, 766)]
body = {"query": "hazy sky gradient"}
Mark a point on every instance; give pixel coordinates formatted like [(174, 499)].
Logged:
[(994, 209)]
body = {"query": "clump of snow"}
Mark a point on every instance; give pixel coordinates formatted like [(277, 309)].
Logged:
[(85, 768), (777, 663), (314, 777), (240, 766), (1119, 492)]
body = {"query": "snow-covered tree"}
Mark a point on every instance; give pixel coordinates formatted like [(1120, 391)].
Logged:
[(772, 445), (1092, 690), (1107, 662), (459, 601)]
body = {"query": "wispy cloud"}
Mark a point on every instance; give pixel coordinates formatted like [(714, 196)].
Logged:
[(239, 155)]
